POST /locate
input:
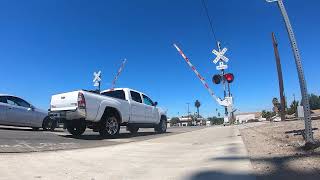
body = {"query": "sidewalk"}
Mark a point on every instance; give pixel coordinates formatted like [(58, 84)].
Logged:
[(209, 153)]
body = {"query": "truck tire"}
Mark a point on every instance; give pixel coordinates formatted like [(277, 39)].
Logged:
[(132, 130), (54, 125), (162, 126), (76, 128), (46, 123), (110, 126), (49, 124)]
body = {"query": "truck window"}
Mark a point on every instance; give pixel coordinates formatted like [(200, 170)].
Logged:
[(147, 100), (119, 94), (136, 96)]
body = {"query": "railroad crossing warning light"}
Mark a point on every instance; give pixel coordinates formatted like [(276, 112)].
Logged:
[(229, 77), (216, 79)]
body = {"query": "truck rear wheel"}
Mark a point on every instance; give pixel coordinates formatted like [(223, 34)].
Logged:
[(76, 128), (110, 126), (162, 126)]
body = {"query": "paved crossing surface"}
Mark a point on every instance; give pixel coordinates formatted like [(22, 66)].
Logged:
[(15, 139), (209, 153)]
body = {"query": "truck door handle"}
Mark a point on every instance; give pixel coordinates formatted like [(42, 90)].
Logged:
[(10, 108)]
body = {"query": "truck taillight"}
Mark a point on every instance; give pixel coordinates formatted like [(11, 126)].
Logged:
[(81, 101)]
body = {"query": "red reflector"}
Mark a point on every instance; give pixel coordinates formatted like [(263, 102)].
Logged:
[(81, 101)]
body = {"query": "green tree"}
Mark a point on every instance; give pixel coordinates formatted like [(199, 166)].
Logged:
[(275, 101), (215, 121), (174, 121), (293, 108), (267, 114), (314, 101), (276, 104), (197, 104)]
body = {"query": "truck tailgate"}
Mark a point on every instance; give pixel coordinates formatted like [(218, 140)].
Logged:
[(64, 101)]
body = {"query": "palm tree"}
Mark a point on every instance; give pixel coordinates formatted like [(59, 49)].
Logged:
[(275, 101), (197, 104), (276, 105)]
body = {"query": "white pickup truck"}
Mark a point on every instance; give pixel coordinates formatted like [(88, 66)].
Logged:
[(107, 111)]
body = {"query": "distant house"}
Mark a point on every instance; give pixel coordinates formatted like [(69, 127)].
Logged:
[(187, 121), (249, 116)]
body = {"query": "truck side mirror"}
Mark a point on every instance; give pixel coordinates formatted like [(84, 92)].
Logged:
[(155, 103)]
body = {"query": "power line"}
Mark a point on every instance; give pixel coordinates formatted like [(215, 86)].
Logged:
[(209, 19)]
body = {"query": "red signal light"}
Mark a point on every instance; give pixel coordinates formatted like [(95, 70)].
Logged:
[(229, 77)]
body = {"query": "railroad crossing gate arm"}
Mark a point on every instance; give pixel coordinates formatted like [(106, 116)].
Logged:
[(224, 102)]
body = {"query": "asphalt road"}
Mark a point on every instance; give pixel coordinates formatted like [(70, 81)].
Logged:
[(17, 140)]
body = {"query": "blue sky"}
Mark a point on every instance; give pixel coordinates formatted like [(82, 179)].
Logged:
[(54, 46)]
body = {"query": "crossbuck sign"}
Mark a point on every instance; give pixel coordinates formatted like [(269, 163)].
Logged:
[(97, 78), (221, 58)]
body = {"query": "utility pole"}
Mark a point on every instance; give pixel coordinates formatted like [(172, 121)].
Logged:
[(188, 111), (280, 78), (303, 87)]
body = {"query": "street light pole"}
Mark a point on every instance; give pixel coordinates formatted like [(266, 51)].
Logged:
[(303, 87)]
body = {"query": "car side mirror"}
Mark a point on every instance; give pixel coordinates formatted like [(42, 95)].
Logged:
[(155, 103), (31, 108)]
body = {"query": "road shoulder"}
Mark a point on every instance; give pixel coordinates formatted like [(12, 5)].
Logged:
[(217, 153)]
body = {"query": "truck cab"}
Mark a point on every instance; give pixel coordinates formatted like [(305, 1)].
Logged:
[(143, 109)]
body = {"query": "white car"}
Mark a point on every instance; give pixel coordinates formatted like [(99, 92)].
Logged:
[(15, 111), (106, 112)]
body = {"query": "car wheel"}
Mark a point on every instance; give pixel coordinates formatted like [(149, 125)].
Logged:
[(162, 126), (76, 129), (132, 130), (110, 126)]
